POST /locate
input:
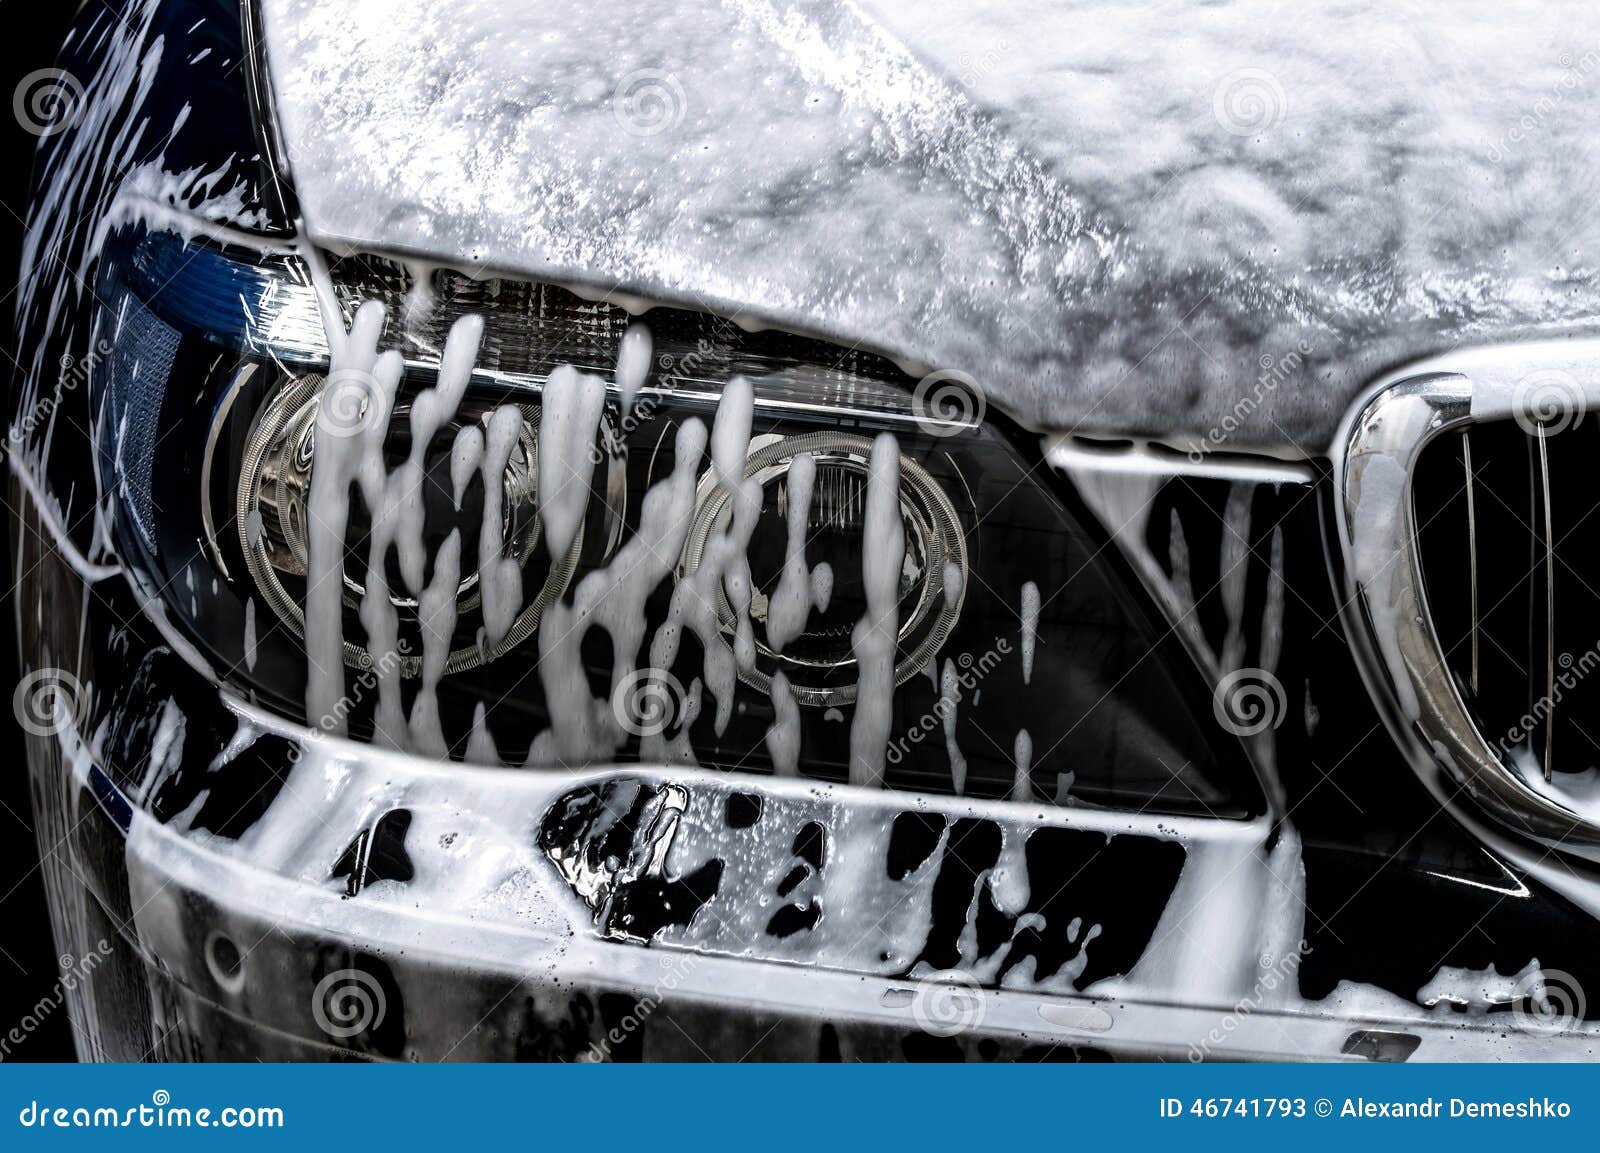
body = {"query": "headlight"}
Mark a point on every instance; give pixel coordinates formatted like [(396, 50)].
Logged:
[(499, 522)]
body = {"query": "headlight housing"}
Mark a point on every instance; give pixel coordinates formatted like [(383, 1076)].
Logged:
[(595, 556)]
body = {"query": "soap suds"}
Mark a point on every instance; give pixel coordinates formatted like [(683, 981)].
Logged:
[(1022, 754), (1030, 628), (876, 634)]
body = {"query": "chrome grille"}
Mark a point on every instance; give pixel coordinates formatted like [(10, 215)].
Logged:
[(1506, 531)]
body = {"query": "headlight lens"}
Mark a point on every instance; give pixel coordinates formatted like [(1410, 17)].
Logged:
[(569, 569)]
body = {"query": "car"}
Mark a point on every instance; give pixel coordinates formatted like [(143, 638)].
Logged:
[(813, 531)]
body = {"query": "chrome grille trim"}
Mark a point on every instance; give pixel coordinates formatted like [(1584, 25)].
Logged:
[(1375, 459)]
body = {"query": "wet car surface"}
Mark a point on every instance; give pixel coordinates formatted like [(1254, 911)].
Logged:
[(520, 576)]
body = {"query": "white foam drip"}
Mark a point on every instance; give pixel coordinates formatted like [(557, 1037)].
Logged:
[(949, 703), (1030, 628), (1235, 570), (397, 517), (633, 363), (798, 587), (1022, 753), (677, 749), (568, 421), (952, 585), (1476, 991), (1064, 782), (724, 564), (420, 297), (875, 635), (613, 598), (436, 614), (499, 578), (250, 647), (480, 744), (347, 453), (783, 735), (822, 585), (1229, 891), (466, 454)]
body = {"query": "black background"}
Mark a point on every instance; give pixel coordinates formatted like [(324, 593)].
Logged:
[(28, 970)]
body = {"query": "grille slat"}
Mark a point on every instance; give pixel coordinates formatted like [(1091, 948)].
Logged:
[(1511, 585), (1549, 601)]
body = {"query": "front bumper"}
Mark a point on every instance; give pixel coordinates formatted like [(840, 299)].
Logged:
[(244, 880)]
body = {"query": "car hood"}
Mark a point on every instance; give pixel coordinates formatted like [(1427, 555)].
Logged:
[(1210, 222)]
